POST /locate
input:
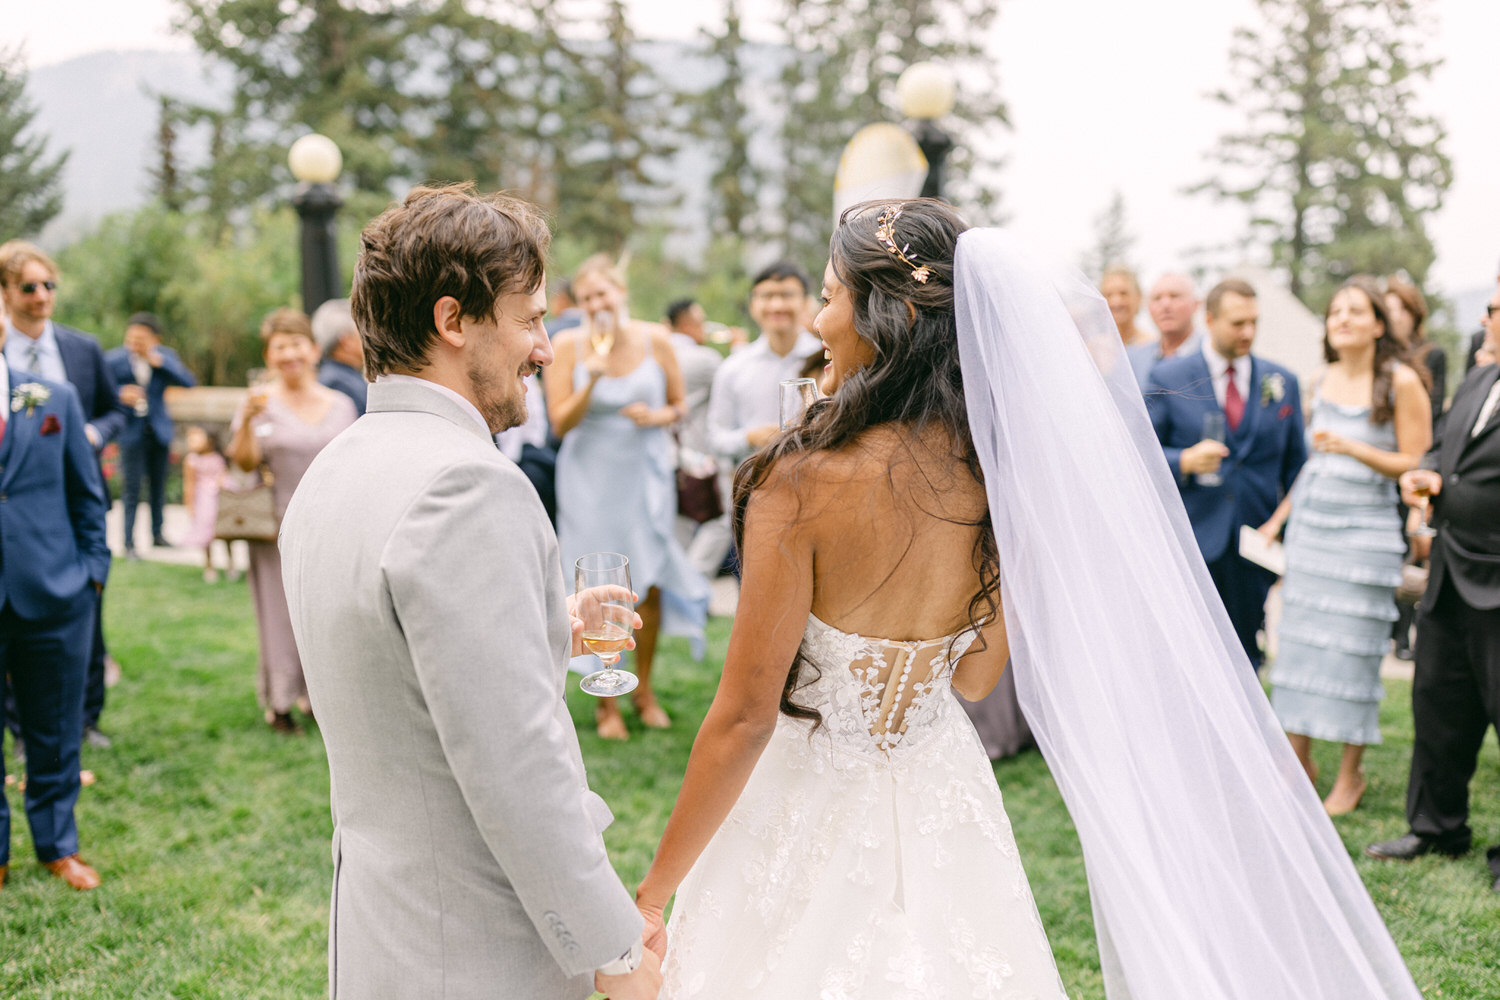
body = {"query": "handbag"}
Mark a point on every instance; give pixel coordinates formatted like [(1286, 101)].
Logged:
[(248, 514), (698, 486), (698, 497)]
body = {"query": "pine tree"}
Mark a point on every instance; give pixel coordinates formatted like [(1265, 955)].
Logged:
[(723, 123), (338, 67), (1113, 241), (841, 75), (468, 119), (610, 185), (30, 181), (1336, 164), (166, 177)]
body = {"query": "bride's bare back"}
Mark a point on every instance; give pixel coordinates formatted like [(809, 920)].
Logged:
[(892, 522)]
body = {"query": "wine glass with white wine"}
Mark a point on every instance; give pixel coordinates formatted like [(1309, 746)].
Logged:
[(1422, 490), (603, 602), (602, 332)]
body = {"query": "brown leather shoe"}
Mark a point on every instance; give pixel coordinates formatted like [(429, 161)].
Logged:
[(74, 871), (4, 870)]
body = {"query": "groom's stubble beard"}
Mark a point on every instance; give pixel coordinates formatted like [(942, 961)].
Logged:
[(500, 410)]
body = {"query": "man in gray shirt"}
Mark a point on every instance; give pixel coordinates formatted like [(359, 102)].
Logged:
[(743, 407)]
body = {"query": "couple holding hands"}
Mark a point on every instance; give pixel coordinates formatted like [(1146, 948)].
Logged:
[(839, 832)]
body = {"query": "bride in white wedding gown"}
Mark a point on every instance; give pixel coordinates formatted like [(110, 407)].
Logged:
[(839, 833)]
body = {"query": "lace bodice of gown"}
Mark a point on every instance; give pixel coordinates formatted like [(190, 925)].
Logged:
[(868, 858), (881, 696)]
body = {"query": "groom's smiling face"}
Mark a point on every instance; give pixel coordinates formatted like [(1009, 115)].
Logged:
[(502, 351)]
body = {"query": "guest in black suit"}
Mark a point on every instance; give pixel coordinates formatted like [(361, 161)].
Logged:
[(144, 369), (343, 365), (35, 344), (1456, 692)]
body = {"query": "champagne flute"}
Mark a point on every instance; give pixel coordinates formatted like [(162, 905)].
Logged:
[(602, 333), (260, 387), (797, 394), (601, 583), (1423, 492), (1213, 430)]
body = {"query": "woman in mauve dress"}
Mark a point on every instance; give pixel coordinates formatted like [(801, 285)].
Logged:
[(284, 424)]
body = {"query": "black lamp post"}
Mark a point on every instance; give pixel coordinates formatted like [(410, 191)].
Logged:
[(316, 162), (927, 91)]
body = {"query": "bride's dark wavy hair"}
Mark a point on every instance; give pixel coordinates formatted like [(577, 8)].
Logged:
[(913, 380)]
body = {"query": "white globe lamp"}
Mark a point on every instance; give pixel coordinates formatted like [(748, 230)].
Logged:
[(927, 90), (315, 159)]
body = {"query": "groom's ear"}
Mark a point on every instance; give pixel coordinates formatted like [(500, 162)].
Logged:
[(447, 319)]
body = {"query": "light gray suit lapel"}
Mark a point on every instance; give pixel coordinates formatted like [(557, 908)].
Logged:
[(409, 397)]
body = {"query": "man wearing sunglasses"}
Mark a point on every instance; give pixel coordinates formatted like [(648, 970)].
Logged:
[(35, 344)]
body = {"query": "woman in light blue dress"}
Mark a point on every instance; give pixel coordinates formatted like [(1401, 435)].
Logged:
[(1370, 422), (613, 392)]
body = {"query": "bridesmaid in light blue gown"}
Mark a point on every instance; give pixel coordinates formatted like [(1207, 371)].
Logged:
[(613, 393), (1371, 421)]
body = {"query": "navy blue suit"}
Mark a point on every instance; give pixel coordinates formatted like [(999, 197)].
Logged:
[(83, 360), (52, 559), (146, 441), (1266, 452), (337, 375)]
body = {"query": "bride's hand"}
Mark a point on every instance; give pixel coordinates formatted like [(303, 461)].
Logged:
[(655, 933)]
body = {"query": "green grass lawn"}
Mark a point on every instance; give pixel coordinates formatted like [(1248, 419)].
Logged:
[(212, 833)]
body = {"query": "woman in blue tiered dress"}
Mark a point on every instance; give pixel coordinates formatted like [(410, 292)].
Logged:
[(1370, 422), (613, 392)]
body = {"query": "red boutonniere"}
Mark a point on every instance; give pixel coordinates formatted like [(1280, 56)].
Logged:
[(50, 424), (1284, 412)]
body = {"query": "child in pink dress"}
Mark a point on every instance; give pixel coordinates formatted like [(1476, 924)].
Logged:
[(203, 468)]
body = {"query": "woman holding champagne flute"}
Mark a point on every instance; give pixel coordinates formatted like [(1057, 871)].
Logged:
[(283, 423), (1371, 421), (613, 392)]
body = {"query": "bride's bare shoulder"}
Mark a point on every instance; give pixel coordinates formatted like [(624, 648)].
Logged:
[(882, 460)]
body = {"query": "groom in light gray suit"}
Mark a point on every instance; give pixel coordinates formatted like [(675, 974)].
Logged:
[(430, 612)]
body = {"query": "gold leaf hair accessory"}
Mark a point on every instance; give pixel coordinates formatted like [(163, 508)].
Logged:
[(885, 232)]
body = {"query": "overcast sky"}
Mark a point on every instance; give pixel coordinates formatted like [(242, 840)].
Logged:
[(1104, 94)]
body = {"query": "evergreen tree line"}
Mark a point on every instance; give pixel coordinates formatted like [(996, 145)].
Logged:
[(560, 102)]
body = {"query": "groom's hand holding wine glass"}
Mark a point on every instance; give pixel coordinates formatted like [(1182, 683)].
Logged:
[(588, 604)]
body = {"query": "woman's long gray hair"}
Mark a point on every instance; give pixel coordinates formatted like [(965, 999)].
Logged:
[(913, 380)]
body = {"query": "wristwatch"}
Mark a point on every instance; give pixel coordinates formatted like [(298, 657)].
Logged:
[(625, 964)]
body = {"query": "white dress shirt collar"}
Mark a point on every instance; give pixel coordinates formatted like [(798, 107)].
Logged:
[(1487, 411), (49, 364), (1218, 365), (463, 403)]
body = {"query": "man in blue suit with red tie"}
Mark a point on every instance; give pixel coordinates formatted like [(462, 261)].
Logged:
[(53, 563), (1240, 479)]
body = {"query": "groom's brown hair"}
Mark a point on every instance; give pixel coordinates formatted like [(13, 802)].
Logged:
[(440, 241)]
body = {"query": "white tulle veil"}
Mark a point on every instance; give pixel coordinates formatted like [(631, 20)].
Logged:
[(1215, 873)]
